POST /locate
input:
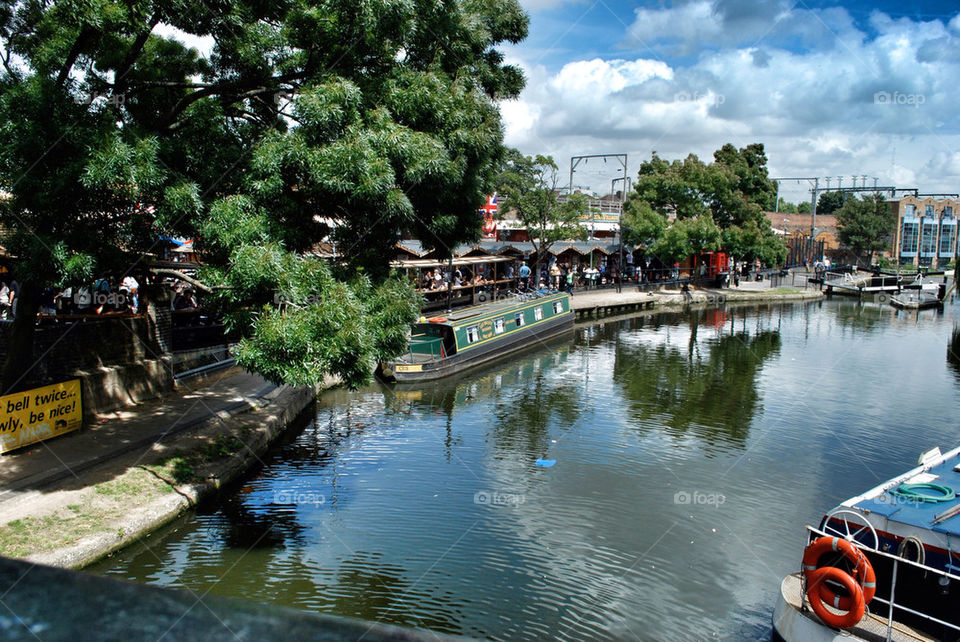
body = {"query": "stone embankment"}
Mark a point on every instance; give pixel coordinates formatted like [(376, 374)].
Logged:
[(607, 302)]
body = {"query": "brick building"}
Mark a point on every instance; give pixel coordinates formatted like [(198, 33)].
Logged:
[(926, 232)]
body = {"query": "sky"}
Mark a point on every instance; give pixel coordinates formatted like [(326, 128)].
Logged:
[(831, 89)]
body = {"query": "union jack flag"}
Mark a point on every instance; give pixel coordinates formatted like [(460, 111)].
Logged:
[(490, 208)]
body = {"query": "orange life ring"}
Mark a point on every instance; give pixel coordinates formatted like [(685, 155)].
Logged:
[(863, 576), (437, 320), (862, 569), (818, 594)]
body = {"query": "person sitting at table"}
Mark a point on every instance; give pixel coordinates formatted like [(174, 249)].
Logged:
[(478, 279)]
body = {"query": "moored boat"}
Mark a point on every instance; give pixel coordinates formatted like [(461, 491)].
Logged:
[(443, 345), (884, 565)]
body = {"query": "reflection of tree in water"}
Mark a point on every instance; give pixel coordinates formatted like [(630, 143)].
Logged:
[(710, 387), (953, 352), (525, 412), (366, 587)]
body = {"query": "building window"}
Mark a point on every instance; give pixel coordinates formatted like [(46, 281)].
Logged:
[(520, 319), (473, 334), (928, 211), (948, 212), (498, 326), (910, 211), (928, 237), (538, 313), (948, 238), (557, 307), (908, 239)]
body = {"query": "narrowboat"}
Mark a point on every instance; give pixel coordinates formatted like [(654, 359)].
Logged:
[(884, 565), (443, 345)]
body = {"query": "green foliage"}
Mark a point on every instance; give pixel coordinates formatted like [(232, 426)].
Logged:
[(830, 202), (530, 185), (726, 198), (379, 116), (803, 207), (787, 207), (686, 237), (866, 226)]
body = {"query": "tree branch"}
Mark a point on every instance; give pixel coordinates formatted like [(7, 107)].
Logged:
[(189, 279), (120, 75), (78, 44)]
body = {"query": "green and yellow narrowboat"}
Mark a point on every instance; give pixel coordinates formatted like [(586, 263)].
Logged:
[(462, 339)]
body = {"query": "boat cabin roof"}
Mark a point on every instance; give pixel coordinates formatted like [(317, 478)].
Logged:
[(945, 472), (487, 309)]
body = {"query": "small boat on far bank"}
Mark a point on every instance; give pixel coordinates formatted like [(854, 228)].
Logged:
[(462, 339), (884, 565)]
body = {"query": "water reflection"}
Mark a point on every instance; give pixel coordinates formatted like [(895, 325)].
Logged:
[(953, 352), (677, 380)]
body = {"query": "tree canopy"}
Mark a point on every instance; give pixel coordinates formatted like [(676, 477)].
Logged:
[(306, 119), (723, 201), (830, 202), (530, 185), (866, 224)]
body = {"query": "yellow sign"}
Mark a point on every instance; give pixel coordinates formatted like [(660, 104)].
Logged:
[(416, 368), (34, 415)]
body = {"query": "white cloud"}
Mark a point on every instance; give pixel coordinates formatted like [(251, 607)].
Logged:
[(882, 106)]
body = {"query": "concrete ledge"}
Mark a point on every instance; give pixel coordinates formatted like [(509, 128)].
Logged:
[(109, 388), (264, 426), (44, 603)]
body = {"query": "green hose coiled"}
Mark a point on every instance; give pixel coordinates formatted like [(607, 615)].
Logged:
[(913, 492)]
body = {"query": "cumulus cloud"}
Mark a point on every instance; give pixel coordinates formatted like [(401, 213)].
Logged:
[(881, 105)]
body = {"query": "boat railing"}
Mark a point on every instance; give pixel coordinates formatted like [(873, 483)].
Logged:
[(896, 561)]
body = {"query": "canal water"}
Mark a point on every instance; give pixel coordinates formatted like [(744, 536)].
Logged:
[(688, 452)]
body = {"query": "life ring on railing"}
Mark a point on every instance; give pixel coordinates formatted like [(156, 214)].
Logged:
[(820, 596), (864, 578), (437, 320)]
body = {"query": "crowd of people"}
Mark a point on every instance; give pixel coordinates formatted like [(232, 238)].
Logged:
[(104, 296)]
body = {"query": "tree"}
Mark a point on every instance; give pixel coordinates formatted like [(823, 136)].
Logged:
[(803, 207), (830, 202), (530, 185), (732, 193), (687, 237), (866, 225), (786, 206), (379, 117)]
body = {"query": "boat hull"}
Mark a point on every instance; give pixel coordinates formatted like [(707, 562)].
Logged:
[(439, 368)]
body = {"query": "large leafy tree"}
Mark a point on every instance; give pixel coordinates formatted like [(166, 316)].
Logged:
[(530, 184), (306, 119), (830, 202), (866, 225), (729, 194)]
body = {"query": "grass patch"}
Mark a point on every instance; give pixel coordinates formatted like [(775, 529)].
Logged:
[(28, 535)]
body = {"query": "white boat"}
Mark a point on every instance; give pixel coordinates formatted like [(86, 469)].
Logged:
[(884, 565)]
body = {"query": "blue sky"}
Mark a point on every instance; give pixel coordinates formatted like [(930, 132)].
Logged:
[(831, 89)]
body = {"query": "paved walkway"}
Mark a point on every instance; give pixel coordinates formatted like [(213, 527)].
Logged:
[(131, 430)]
